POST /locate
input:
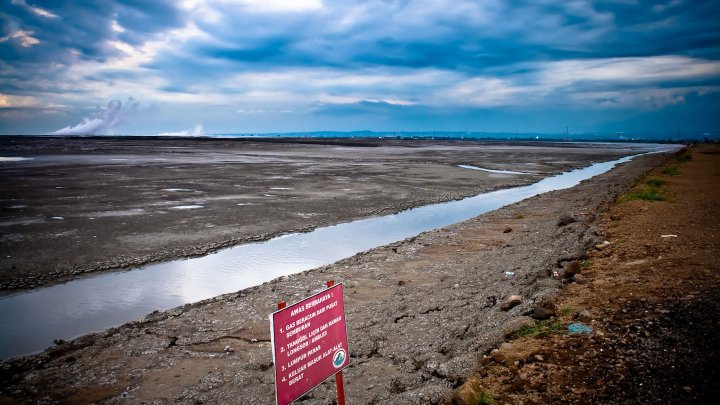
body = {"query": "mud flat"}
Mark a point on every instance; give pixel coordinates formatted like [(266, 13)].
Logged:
[(421, 313), (70, 206)]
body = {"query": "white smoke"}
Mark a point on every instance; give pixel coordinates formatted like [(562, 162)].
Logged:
[(196, 131), (101, 123)]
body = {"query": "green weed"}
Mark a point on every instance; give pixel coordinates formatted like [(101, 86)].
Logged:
[(646, 194), (655, 182), (486, 398), (541, 328), (684, 158), (671, 171), (519, 216), (586, 263), (567, 310)]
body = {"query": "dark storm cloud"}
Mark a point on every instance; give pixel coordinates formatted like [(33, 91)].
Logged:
[(82, 28), (472, 37), (662, 28), (67, 32)]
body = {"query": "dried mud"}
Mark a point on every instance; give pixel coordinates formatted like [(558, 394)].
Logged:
[(83, 205)]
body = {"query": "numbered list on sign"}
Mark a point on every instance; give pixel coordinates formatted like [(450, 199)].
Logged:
[(309, 343)]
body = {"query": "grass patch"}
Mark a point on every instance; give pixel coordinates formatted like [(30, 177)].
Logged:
[(486, 398), (541, 328), (671, 171), (586, 263), (655, 182), (645, 194), (683, 158), (519, 216), (567, 310)]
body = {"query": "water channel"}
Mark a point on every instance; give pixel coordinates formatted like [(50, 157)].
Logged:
[(30, 321)]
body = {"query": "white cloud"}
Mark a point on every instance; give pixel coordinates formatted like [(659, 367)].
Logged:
[(649, 82), (484, 92), (24, 37), (282, 5), (116, 27), (651, 69), (11, 101), (34, 9)]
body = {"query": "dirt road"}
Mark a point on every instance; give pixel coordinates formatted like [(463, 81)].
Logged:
[(651, 296)]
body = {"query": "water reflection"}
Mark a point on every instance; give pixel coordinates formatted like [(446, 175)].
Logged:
[(30, 321), (490, 170)]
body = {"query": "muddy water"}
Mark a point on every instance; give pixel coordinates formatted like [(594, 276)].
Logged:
[(30, 321)]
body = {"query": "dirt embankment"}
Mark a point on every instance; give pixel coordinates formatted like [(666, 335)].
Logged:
[(650, 295), (421, 314)]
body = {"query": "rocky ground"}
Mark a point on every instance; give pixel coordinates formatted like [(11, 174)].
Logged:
[(422, 316), (650, 294), (81, 205)]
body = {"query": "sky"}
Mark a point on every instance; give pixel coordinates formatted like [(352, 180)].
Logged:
[(195, 67)]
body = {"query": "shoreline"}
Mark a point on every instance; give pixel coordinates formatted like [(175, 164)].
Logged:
[(423, 286)]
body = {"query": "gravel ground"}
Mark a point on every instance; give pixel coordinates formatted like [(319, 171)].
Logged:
[(650, 294)]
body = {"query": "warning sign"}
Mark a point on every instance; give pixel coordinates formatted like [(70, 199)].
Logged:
[(309, 343)]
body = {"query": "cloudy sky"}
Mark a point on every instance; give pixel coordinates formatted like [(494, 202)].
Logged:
[(218, 66)]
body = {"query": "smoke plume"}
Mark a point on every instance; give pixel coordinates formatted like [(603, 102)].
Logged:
[(101, 123), (196, 131)]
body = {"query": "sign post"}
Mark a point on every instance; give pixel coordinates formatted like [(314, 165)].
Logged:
[(309, 343)]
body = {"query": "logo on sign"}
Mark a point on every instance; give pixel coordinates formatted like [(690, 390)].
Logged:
[(339, 358)]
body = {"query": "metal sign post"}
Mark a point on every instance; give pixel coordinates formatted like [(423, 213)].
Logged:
[(309, 344)]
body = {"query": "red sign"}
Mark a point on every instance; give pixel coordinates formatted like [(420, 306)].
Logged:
[(309, 342)]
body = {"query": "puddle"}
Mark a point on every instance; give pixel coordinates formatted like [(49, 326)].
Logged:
[(30, 321), (490, 170), (117, 213), (13, 159), (187, 207), (25, 221), (177, 190)]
